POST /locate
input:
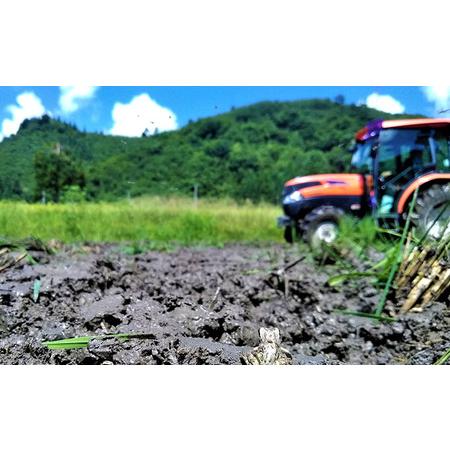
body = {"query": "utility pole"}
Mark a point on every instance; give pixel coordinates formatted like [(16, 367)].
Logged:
[(196, 195), (128, 190)]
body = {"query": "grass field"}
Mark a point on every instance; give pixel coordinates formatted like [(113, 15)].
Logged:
[(154, 219)]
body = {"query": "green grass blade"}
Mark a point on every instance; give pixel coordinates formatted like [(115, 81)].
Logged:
[(339, 279), (67, 344), (83, 341), (390, 232), (386, 262), (36, 290), (443, 359), (349, 312), (396, 263)]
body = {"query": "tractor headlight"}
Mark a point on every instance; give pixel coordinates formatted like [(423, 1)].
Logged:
[(292, 198)]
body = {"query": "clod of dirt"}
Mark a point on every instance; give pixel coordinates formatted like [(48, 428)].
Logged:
[(3, 326), (104, 311), (205, 351)]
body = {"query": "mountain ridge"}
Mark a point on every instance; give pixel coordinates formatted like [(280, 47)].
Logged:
[(245, 153)]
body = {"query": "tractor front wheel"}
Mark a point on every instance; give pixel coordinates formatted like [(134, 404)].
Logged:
[(292, 233), (288, 234), (321, 225), (432, 211)]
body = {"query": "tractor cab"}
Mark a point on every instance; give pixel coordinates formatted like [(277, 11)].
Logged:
[(391, 159), (399, 154)]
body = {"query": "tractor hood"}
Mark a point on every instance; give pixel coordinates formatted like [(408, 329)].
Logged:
[(326, 185)]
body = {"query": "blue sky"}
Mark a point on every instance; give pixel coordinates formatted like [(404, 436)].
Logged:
[(129, 110)]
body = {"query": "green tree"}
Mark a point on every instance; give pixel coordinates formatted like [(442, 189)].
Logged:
[(54, 171)]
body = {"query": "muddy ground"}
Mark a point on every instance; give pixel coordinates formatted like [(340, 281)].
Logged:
[(201, 306)]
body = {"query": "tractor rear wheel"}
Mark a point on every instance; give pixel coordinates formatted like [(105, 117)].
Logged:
[(432, 211), (321, 225)]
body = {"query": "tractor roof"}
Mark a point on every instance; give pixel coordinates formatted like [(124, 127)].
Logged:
[(373, 128)]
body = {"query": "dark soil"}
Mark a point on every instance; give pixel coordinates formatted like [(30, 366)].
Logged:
[(202, 306)]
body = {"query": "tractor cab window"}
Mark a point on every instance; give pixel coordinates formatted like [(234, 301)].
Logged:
[(441, 142), (361, 159), (404, 154)]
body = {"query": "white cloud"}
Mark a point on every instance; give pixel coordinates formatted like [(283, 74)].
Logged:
[(385, 103), (439, 95), (73, 98), (29, 105), (132, 119)]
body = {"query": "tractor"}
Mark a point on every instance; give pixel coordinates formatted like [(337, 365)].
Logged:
[(391, 159)]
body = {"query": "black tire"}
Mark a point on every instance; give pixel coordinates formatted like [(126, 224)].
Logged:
[(292, 234), (316, 219), (428, 207), (288, 235)]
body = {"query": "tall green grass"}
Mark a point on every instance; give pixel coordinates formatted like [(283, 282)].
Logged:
[(160, 220), (361, 235)]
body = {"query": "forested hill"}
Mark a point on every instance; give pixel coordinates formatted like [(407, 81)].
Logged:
[(246, 153)]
